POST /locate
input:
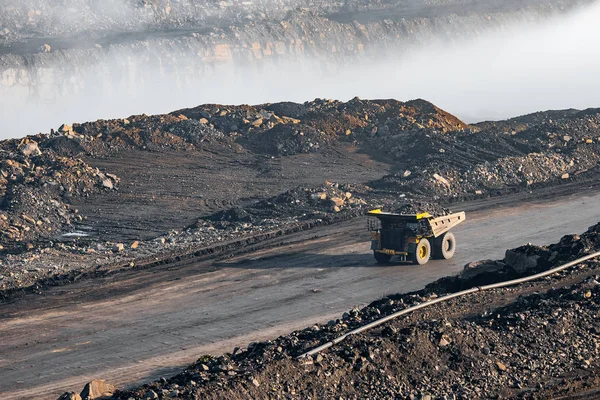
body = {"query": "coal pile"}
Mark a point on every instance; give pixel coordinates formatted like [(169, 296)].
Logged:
[(196, 133), (522, 342), (522, 261), (501, 160), (296, 205), (417, 207), (35, 188), (291, 139)]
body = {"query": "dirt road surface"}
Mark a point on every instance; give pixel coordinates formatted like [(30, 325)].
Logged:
[(140, 325)]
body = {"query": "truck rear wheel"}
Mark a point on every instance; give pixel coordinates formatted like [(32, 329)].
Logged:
[(422, 252), (444, 246), (382, 258)]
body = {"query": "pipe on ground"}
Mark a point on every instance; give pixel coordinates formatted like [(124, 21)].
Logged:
[(446, 298)]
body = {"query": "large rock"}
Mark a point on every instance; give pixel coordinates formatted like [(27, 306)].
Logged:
[(69, 396), (107, 183), (520, 262), (477, 268), (30, 148), (97, 389), (64, 128), (338, 201), (441, 180), (119, 247)]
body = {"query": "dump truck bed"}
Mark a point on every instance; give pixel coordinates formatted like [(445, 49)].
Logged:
[(441, 225), (398, 217), (438, 225)]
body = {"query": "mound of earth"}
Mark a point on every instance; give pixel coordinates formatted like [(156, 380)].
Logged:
[(496, 161), (36, 185), (298, 204)]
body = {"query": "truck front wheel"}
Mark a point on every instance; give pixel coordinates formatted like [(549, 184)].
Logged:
[(422, 252)]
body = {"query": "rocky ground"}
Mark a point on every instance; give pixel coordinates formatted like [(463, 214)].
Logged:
[(536, 340), (109, 192)]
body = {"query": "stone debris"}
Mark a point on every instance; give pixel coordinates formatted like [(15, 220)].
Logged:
[(297, 204), (36, 185), (97, 389)]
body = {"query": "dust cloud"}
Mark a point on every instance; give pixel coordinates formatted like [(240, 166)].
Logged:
[(518, 70)]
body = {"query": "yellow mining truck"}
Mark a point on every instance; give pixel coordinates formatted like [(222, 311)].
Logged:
[(413, 237)]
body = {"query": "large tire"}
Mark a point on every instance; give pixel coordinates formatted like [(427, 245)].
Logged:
[(422, 252), (382, 258), (444, 246)]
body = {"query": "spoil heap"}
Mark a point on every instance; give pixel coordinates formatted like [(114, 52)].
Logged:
[(297, 204), (523, 342), (35, 187), (436, 154), (508, 157)]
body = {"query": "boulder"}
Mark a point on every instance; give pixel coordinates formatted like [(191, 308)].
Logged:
[(69, 396), (64, 128), (150, 395), (520, 262), (338, 201), (107, 183), (30, 148), (119, 247), (97, 389), (476, 268), (441, 180)]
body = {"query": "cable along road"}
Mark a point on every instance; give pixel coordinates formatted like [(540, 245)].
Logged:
[(140, 325)]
